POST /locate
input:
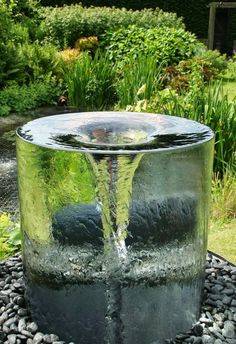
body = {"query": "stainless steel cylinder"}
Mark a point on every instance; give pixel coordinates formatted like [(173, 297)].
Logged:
[(114, 212)]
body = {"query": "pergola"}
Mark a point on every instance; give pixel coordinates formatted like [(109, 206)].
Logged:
[(211, 28)]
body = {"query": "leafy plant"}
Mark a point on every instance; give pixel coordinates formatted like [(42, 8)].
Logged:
[(139, 79), (66, 24), (169, 45), (10, 61), (87, 43), (69, 55), (40, 62), (17, 98), (209, 106), (10, 236), (91, 83)]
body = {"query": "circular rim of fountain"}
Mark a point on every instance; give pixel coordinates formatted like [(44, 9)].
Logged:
[(127, 148)]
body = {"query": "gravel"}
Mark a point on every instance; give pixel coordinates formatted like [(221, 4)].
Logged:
[(216, 325)]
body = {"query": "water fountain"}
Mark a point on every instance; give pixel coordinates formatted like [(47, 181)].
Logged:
[(114, 210)]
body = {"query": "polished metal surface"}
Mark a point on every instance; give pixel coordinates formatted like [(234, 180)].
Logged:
[(114, 210)]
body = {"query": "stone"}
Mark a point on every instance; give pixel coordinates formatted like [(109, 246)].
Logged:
[(197, 330), (11, 339), (218, 341), (32, 327), (38, 338), (21, 325), (227, 300), (207, 339), (229, 330)]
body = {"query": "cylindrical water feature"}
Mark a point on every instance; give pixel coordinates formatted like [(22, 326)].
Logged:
[(114, 210)]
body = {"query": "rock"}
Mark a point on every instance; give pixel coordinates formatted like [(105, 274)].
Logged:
[(207, 339), (11, 339), (227, 300), (229, 330), (22, 312), (32, 327), (38, 338), (197, 330), (29, 341), (21, 325), (218, 341), (231, 341), (27, 334)]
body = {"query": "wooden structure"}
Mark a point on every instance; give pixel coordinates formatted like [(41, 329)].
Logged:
[(211, 28)]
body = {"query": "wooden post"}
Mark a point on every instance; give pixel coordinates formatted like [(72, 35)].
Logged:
[(211, 27)]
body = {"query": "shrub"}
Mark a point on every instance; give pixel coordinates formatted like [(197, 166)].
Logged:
[(87, 43), (64, 25), (90, 83), (17, 98), (40, 62), (217, 63), (69, 55), (10, 61), (168, 45)]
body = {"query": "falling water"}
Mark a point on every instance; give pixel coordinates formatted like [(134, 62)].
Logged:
[(114, 216)]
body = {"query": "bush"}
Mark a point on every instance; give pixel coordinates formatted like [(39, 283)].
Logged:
[(10, 61), (68, 56), (17, 98), (90, 83), (40, 62), (87, 43), (63, 26), (168, 45)]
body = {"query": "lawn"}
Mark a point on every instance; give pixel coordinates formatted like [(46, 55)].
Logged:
[(222, 239), (230, 89)]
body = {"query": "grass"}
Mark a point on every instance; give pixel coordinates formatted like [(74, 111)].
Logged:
[(222, 239), (222, 231), (229, 88)]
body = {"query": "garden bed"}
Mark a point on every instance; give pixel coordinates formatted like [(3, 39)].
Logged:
[(216, 324)]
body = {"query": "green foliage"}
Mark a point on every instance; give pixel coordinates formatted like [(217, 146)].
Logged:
[(63, 26), (224, 197), (40, 62), (198, 70), (230, 74), (139, 79), (90, 83), (87, 43), (195, 13), (22, 98), (24, 14), (10, 61), (21, 10), (10, 236), (168, 45), (209, 106)]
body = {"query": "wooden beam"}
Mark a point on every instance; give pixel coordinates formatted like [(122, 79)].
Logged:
[(222, 4), (211, 27)]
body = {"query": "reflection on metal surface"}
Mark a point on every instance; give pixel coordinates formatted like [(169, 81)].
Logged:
[(114, 211)]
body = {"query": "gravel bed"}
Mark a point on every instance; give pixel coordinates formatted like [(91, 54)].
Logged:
[(216, 325)]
